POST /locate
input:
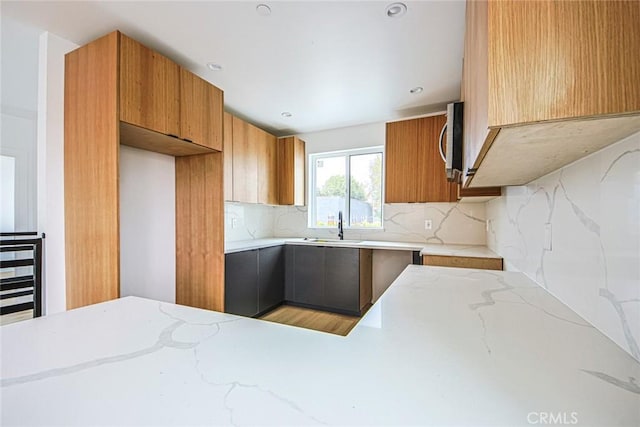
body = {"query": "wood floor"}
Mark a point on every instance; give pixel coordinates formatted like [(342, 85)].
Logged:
[(338, 324)]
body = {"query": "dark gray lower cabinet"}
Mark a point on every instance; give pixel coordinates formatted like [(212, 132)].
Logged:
[(254, 281), (332, 278), (241, 283), (308, 269), (342, 279), (270, 277)]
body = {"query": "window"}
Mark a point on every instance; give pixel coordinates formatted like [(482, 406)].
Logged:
[(347, 181)]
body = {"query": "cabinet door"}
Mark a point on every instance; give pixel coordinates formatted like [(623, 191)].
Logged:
[(289, 272), (430, 178), (241, 283), (342, 279), (201, 110), (309, 275), (270, 277), (401, 162), (245, 164), (267, 166), (227, 151), (149, 88), (291, 171)]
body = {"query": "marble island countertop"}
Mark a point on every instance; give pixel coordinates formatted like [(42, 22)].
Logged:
[(475, 251), (441, 346)]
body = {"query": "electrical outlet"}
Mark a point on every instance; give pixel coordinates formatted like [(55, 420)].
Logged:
[(428, 224), (234, 222), (547, 237)]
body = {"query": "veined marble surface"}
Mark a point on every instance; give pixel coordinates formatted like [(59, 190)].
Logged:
[(452, 223), (473, 251), (593, 262), (441, 346)]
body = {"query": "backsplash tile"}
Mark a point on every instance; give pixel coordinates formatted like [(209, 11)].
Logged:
[(593, 210), (462, 223), (251, 221)]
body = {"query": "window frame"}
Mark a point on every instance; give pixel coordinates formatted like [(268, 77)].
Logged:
[(311, 217)]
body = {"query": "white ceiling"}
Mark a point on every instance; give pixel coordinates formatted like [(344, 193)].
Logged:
[(331, 64)]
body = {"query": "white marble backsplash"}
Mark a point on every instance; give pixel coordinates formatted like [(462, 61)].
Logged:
[(452, 223), (244, 221), (592, 208)]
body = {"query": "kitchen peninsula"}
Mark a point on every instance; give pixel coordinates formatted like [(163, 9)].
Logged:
[(442, 345)]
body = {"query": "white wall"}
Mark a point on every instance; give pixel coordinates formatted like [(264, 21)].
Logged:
[(51, 167), (147, 224), (593, 263), (19, 102)]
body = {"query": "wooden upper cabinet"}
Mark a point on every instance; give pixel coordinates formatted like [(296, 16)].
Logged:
[(201, 109), (414, 170), (227, 150), (546, 83), (267, 167), (558, 59), (149, 88), (401, 162), (245, 163), (291, 171), (431, 177)]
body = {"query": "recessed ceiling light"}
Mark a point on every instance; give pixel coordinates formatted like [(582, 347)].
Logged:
[(214, 67), (286, 114), (396, 10), (263, 10), (416, 89)]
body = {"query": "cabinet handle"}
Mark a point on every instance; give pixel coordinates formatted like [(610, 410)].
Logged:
[(173, 136), (187, 139)]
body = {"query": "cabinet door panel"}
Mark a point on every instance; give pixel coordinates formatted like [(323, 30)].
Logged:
[(289, 272), (245, 164), (342, 279), (431, 180), (270, 277), (227, 151), (201, 111), (149, 88), (291, 171), (241, 283), (267, 167), (309, 275), (401, 162)]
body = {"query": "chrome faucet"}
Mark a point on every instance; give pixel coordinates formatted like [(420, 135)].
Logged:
[(340, 230)]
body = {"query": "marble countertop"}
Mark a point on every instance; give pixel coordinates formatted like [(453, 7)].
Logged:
[(441, 346), (424, 248)]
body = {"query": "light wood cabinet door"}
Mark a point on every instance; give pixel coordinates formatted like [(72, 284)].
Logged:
[(267, 167), (401, 162), (431, 179), (227, 151), (414, 169), (291, 171), (245, 163), (149, 88), (553, 60), (201, 111)]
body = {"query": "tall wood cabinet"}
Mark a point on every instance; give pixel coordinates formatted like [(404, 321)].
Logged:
[(546, 83), (120, 92), (414, 170)]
